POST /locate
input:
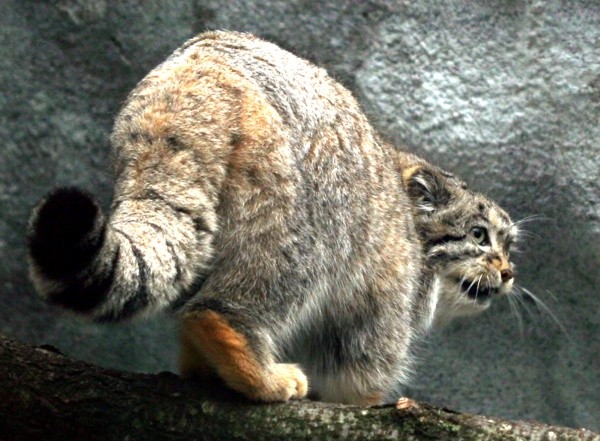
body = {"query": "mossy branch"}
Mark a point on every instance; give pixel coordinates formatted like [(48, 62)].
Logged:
[(45, 395)]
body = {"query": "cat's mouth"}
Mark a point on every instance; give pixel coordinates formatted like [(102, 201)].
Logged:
[(478, 291)]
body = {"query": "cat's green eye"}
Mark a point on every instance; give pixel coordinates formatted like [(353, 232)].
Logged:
[(480, 235)]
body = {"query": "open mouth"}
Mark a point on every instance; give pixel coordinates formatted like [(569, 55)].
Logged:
[(478, 291)]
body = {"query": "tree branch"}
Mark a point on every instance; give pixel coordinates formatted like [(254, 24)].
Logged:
[(45, 395)]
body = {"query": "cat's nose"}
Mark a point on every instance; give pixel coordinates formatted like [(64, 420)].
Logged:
[(506, 274)]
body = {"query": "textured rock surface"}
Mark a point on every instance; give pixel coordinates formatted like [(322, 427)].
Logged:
[(504, 93)]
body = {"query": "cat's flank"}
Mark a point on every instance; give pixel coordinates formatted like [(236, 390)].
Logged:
[(253, 199)]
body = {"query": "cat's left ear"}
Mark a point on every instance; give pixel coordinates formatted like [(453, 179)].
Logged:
[(426, 188)]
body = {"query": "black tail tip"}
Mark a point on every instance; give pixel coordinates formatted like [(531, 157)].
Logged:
[(65, 232)]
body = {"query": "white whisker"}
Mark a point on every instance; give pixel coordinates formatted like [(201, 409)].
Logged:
[(487, 283), (526, 234), (515, 311), (544, 308), (531, 218), (469, 288), (521, 301), (551, 294)]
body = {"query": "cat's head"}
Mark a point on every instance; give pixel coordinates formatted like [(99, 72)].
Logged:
[(467, 240)]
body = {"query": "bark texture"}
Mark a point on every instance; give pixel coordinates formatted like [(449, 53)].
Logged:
[(45, 395)]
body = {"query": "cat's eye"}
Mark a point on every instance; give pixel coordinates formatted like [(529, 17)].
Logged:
[(480, 235)]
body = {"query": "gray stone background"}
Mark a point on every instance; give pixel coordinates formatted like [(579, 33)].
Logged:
[(506, 93)]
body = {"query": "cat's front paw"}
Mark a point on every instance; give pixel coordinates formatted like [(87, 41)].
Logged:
[(284, 382)]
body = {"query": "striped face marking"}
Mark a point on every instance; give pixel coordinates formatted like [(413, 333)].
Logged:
[(467, 240), (489, 272)]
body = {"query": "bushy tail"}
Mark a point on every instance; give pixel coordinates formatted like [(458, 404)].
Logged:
[(147, 256)]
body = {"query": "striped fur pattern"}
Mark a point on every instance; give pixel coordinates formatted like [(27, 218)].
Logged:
[(466, 243), (254, 200)]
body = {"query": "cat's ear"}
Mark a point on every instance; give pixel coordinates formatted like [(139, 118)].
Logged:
[(426, 188)]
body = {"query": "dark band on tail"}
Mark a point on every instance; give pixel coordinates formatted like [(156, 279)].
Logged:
[(85, 294), (66, 233), (139, 299), (108, 272), (199, 223)]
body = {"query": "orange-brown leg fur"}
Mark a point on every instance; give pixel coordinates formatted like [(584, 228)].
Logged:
[(192, 363), (210, 343)]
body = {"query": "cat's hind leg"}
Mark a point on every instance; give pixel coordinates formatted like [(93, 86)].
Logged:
[(211, 344)]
